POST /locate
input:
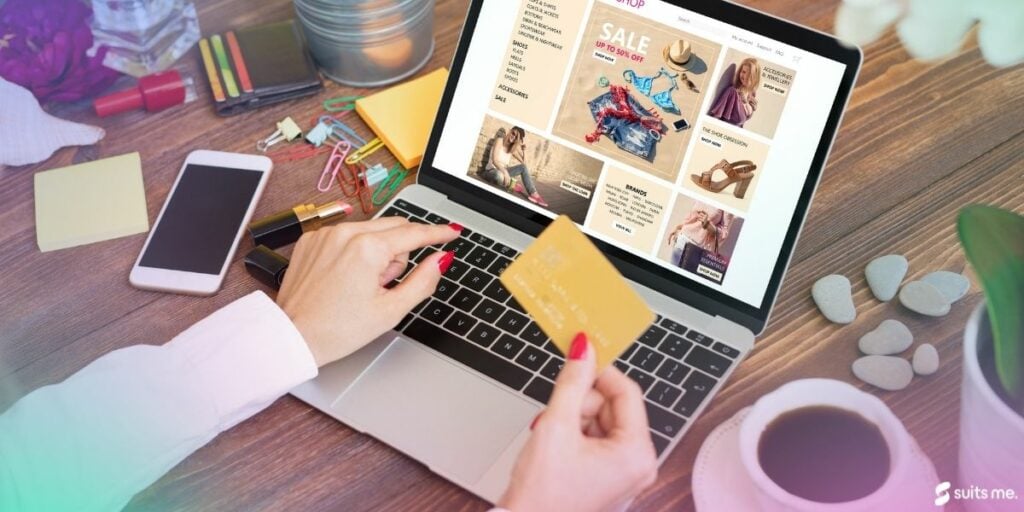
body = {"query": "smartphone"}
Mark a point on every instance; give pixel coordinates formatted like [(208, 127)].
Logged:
[(681, 125), (199, 227)]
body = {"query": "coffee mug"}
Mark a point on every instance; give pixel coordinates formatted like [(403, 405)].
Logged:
[(891, 495)]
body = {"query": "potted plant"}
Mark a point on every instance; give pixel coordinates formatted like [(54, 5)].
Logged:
[(992, 395)]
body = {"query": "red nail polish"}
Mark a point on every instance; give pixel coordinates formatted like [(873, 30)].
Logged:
[(445, 261), (578, 348), (456, 226), (535, 418)]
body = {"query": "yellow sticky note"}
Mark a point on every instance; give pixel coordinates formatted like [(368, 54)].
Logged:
[(568, 286), (90, 202), (403, 115)]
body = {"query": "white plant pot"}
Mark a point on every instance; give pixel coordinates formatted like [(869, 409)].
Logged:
[(991, 433)]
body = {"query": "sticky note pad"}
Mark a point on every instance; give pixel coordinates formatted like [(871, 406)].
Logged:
[(403, 115), (568, 286), (90, 202)]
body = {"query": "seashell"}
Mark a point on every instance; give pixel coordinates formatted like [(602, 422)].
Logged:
[(29, 135)]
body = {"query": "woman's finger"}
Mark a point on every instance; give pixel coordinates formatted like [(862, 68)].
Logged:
[(573, 382), (625, 402), (420, 283), (395, 268)]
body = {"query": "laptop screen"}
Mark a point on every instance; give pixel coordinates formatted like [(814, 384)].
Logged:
[(671, 135)]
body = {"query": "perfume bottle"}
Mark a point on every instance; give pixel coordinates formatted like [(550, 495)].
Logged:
[(144, 36)]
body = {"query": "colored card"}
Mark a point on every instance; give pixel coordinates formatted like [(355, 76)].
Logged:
[(225, 67), (211, 70), (568, 286)]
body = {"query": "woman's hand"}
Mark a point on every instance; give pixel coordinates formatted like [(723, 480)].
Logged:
[(334, 289), (590, 449)]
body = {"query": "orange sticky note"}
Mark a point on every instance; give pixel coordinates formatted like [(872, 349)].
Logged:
[(403, 115)]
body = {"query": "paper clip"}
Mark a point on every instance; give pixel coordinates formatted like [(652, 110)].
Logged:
[(333, 166), (341, 104), (366, 150), (387, 189), (286, 130), (353, 185), (297, 152), (339, 129)]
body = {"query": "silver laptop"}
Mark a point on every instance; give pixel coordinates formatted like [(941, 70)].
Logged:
[(685, 138)]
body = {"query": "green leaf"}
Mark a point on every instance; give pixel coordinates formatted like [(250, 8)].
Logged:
[(993, 241)]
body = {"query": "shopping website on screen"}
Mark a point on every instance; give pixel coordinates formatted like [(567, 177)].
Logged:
[(672, 135)]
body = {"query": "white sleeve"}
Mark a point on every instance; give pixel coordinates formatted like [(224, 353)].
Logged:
[(112, 429)]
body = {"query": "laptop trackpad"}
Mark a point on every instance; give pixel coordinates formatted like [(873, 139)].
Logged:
[(439, 413)]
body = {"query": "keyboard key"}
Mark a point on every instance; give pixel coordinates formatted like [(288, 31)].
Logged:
[(652, 336), (645, 381), (417, 220), (475, 279), (468, 354), (481, 257), (629, 352), (673, 326), (533, 334), (423, 303), (483, 335), (507, 346), (646, 359), (514, 304), (539, 390), (394, 212), (623, 367), (663, 394), (423, 255), (695, 389), (725, 350), (499, 266), (497, 291), (489, 311), (532, 358), (465, 299), (434, 218), (481, 239), (662, 421), (675, 346), (699, 338), (460, 323), (512, 322), (456, 270), (551, 369), (505, 251), (550, 347), (673, 371), (405, 322), (460, 246), (436, 312), (411, 208), (660, 443), (445, 289), (708, 361)]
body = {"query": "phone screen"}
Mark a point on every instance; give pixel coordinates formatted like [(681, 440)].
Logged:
[(202, 219)]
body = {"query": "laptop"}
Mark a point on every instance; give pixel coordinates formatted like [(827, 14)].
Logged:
[(684, 137)]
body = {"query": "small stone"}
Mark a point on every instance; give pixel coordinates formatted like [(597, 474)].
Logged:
[(835, 300), (890, 337), (926, 359), (924, 298), (954, 286), (885, 274), (886, 372)]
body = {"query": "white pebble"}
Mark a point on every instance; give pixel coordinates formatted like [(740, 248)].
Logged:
[(885, 274), (954, 286), (926, 360), (924, 298), (890, 337), (886, 372), (835, 300)]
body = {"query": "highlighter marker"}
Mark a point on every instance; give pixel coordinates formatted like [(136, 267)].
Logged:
[(286, 227), (225, 68), (211, 70)]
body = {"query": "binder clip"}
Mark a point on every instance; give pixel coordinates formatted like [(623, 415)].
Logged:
[(287, 130)]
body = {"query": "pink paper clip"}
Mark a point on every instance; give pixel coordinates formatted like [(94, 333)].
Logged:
[(334, 164)]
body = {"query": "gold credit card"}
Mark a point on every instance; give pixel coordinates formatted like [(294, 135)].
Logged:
[(568, 286)]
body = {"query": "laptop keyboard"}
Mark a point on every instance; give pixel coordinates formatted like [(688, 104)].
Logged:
[(474, 320)]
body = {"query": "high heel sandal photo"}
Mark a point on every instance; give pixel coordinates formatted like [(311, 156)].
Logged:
[(740, 172)]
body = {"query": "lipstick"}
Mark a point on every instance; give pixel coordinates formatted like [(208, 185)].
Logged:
[(286, 227), (154, 93)]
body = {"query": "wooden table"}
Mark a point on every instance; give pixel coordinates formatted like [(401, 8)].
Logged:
[(919, 142)]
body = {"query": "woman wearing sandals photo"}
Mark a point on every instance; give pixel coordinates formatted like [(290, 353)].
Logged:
[(737, 103), (500, 170), (704, 227)]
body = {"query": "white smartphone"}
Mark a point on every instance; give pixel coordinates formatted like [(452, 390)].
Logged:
[(198, 229)]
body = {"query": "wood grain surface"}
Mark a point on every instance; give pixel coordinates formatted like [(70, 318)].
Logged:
[(919, 141)]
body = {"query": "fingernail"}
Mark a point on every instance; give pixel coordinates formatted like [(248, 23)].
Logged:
[(579, 347), (535, 418), (445, 261), (456, 227)]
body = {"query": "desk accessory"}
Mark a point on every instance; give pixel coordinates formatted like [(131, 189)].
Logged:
[(286, 227), (370, 43), (332, 170), (153, 93), (258, 66), (90, 202), (287, 130), (403, 115), (37, 133), (144, 36), (266, 266)]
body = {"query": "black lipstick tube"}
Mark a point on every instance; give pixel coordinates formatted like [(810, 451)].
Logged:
[(285, 228)]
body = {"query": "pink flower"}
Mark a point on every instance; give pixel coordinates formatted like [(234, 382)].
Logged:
[(43, 46)]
